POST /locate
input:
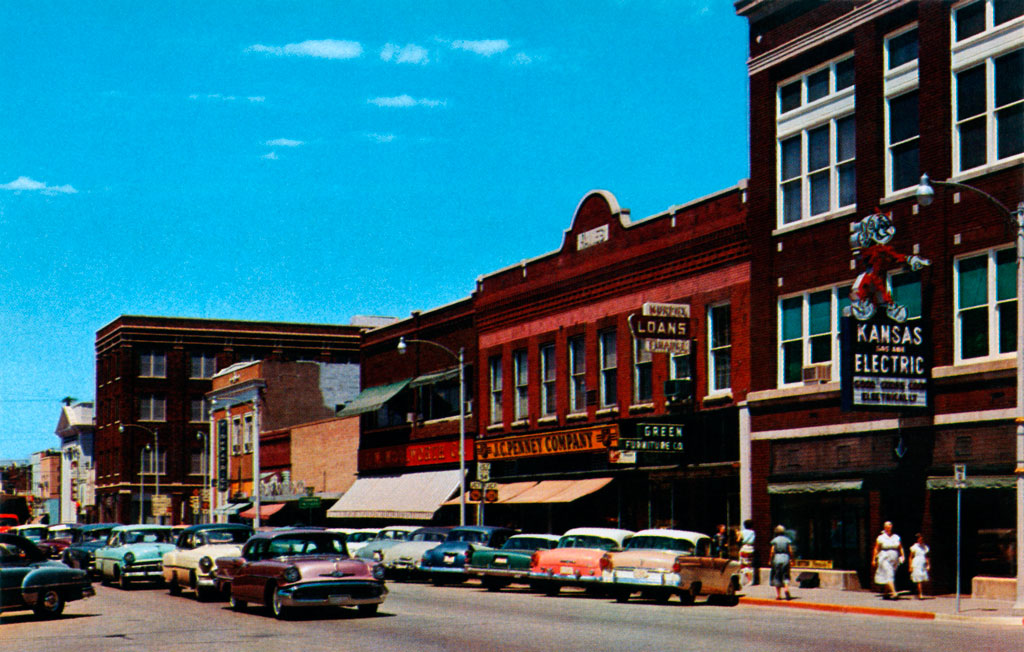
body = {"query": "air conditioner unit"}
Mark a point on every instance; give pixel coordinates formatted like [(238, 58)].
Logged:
[(236, 449), (679, 392), (817, 373), (248, 448)]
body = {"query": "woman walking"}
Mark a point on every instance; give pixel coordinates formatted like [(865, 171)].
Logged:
[(781, 553), (920, 564), (886, 558)]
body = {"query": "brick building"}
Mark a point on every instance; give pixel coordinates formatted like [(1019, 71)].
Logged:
[(850, 102), (152, 376)]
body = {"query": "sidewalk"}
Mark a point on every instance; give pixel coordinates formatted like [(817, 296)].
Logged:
[(943, 607)]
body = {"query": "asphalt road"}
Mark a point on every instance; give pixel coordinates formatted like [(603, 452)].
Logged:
[(421, 617)]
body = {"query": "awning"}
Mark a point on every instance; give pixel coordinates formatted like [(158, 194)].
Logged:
[(814, 487), (505, 491), (980, 482), (266, 510), (412, 496), (545, 491), (436, 377), (372, 398), (231, 508)]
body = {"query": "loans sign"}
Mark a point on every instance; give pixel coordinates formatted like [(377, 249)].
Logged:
[(885, 364), (663, 327)]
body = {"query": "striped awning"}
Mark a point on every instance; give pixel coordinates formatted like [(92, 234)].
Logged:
[(372, 398), (935, 483), (814, 487), (411, 496)]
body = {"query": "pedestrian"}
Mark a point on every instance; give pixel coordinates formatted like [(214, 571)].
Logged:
[(886, 558), (745, 537), (920, 564), (720, 543), (781, 553)]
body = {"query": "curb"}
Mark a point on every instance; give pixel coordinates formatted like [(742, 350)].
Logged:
[(889, 613)]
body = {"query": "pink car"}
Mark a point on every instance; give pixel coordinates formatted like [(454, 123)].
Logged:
[(575, 560)]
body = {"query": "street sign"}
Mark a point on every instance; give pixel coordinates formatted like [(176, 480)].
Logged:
[(960, 475), (309, 502), (193, 502), (491, 492), (483, 471), (161, 505)]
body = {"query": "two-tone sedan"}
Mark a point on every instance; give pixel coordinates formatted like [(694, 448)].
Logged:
[(84, 544), (647, 563), (446, 563), (576, 559), (28, 580), (191, 565), (284, 569), (134, 553), (496, 568)]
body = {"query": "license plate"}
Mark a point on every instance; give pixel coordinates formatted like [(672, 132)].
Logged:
[(339, 597), (501, 560), (640, 573), (565, 570), (449, 559)]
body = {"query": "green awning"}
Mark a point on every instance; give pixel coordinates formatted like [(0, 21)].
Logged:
[(814, 487), (436, 377), (372, 398), (980, 482)]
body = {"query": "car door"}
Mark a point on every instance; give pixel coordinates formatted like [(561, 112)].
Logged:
[(244, 583), (14, 566), (105, 554)]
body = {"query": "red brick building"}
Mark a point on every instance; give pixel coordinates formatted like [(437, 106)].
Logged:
[(850, 102)]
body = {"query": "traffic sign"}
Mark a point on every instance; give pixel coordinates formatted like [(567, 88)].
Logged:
[(161, 505), (309, 502), (483, 471)]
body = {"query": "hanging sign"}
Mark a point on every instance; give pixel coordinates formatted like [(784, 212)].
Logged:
[(662, 327), (886, 364)]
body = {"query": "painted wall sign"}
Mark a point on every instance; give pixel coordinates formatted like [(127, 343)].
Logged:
[(885, 364), (441, 452), (592, 237), (580, 440)]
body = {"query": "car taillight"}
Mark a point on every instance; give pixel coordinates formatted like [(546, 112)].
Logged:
[(677, 567), (606, 562), (535, 560)]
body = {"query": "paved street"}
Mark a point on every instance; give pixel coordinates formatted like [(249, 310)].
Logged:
[(422, 617)]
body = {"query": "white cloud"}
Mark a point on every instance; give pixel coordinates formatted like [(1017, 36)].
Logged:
[(381, 138), (270, 156), (320, 49), (285, 142), (403, 101), (522, 59), (25, 184), (484, 48), (256, 98), (410, 53)]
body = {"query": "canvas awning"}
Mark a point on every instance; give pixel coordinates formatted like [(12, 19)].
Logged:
[(231, 508), (505, 491), (545, 491), (412, 496), (266, 510), (979, 482), (372, 398), (814, 487), (436, 377)]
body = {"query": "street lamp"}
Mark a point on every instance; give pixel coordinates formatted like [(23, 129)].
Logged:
[(204, 466), (142, 485), (460, 356), (925, 194), (156, 455)]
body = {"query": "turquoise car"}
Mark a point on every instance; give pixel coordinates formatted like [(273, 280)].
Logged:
[(134, 553)]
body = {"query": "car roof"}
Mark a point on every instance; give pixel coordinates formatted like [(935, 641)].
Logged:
[(216, 526), (433, 528), (401, 528), (526, 535), (142, 527), (274, 534), (606, 532), (481, 528), (98, 526), (689, 535)]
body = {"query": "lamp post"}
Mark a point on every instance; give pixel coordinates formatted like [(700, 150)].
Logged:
[(925, 194), (204, 466), (156, 455), (460, 356), (142, 484)]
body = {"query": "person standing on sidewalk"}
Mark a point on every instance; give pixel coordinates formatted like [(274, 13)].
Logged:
[(781, 553), (745, 537), (920, 564), (886, 558), (720, 543)]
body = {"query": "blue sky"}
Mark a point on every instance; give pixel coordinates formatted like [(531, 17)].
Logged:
[(311, 161)]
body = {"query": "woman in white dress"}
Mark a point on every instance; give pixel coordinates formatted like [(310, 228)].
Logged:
[(886, 558), (920, 565)]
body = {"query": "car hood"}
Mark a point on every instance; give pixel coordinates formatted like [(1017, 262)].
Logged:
[(411, 549), (145, 550), (213, 551), (644, 558)]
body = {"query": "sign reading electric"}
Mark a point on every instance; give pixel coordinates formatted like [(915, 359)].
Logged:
[(581, 440), (886, 364)]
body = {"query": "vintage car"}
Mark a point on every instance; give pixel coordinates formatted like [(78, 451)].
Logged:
[(300, 568), (28, 580), (34, 532), (662, 563), (133, 553), (190, 564), (84, 544), (356, 539), (402, 560), (378, 550), (446, 563), (7, 521), (576, 559), (386, 538), (497, 568), (57, 538)]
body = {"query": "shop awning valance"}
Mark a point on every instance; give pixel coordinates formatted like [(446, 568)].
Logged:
[(814, 487), (411, 496), (372, 398), (436, 377), (266, 510), (935, 483), (545, 491)]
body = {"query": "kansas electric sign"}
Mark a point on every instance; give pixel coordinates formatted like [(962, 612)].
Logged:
[(886, 364)]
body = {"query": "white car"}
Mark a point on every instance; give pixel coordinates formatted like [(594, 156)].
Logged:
[(192, 563), (356, 539)]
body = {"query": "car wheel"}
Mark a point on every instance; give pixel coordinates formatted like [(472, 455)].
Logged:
[(552, 589), (662, 596), (492, 584), (50, 604), (368, 609), (119, 579), (622, 595), (277, 604), (172, 586), (438, 580), (203, 594), (235, 603)]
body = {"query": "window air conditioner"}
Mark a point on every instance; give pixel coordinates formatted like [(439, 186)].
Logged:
[(235, 448), (679, 391), (248, 448), (817, 373)]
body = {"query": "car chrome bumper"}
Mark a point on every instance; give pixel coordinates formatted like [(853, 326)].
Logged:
[(565, 579), (327, 595), (649, 579), (477, 571)]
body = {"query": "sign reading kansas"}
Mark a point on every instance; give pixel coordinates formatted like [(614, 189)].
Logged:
[(885, 364)]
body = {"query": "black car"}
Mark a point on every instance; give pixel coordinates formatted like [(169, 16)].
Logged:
[(82, 551), (28, 580)]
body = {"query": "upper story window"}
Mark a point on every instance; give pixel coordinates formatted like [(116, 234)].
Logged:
[(719, 348), (521, 373), (577, 375), (809, 332), (680, 366), (902, 128), (439, 399), (494, 373), (985, 287), (973, 18), (643, 373), (820, 83), (247, 432), (148, 465), (609, 368), (547, 379), (204, 365), (152, 407), (901, 49), (200, 410), (152, 364)]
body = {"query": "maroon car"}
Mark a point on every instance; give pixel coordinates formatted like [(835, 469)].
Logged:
[(282, 569)]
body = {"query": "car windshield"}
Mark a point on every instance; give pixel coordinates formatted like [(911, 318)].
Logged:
[(587, 541), (528, 543), (95, 535), (427, 536), (224, 536), (654, 542), (356, 537), (469, 536), (307, 545), (147, 536), (33, 533)]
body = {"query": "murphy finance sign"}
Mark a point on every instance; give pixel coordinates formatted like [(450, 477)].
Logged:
[(579, 440), (885, 364)]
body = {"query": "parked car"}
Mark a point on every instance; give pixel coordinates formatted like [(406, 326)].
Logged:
[(576, 559), (7, 521), (57, 538), (28, 580), (191, 565), (497, 568), (82, 551), (662, 563), (378, 549), (33, 532), (402, 560), (356, 539), (300, 568), (133, 553), (386, 538), (446, 563)]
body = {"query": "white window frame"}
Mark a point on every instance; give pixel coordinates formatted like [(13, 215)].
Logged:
[(898, 82), (548, 380), (643, 363), (205, 406), (496, 383), (608, 372), (674, 362), (577, 346), (153, 407), (713, 352), (152, 364), (521, 381), (991, 303), (837, 293), (207, 365), (247, 432), (161, 463)]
